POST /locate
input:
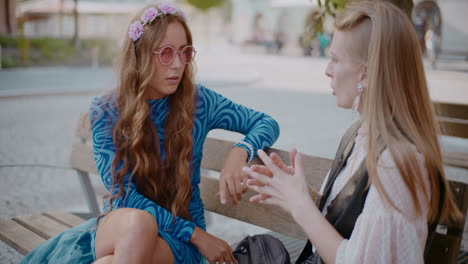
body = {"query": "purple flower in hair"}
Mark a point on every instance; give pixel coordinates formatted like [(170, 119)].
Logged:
[(149, 15), (168, 9), (136, 30), (181, 14)]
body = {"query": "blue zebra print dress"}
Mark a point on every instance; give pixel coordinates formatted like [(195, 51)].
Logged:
[(212, 111)]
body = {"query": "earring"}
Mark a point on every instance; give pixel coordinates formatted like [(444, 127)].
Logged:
[(360, 89)]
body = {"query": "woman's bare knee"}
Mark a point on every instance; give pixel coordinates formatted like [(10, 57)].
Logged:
[(109, 259), (124, 224)]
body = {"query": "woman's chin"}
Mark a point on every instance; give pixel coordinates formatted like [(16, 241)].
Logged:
[(344, 105)]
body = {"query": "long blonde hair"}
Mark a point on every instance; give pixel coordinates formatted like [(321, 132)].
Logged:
[(398, 109), (135, 136)]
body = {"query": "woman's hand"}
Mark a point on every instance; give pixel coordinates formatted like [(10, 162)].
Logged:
[(232, 181), (276, 186), (262, 169), (215, 250)]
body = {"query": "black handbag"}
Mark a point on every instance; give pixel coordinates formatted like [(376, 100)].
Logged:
[(260, 249)]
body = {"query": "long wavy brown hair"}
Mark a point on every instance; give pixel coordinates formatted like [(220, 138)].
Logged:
[(135, 136), (397, 106)]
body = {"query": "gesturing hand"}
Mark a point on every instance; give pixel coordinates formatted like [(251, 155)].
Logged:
[(278, 187), (262, 169)]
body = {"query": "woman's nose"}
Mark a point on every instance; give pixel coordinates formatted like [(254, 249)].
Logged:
[(328, 71), (177, 62)]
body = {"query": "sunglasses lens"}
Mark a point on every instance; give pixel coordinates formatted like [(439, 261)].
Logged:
[(187, 55), (167, 55)]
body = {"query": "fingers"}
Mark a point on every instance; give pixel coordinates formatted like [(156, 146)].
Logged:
[(262, 169), (268, 162), (299, 162), (229, 186), (231, 258), (254, 182), (267, 190), (292, 155), (232, 191), (228, 256), (258, 198), (238, 188), (277, 160), (265, 180), (222, 191)]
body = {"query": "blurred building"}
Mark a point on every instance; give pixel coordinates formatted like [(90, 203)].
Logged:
[(252, 18), (267, 17), (98, 18), (54, 18), (272, 19), (447, 19)]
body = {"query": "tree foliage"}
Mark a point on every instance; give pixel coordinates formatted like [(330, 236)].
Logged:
[(205, 4), (332, 6)]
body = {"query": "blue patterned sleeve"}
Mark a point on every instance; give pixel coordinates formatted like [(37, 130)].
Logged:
[(102, 118), (260, 130)]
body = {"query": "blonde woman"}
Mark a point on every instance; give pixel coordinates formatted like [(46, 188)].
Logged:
[(386, 188), (148, 137)]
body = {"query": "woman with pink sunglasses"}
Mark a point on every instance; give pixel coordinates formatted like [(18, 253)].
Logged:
[(148, 137)]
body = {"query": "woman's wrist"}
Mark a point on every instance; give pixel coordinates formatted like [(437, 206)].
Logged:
[(248, 149), (303, 209), (195, 235), (241, 152)]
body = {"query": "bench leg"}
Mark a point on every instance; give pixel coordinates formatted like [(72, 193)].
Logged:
[(89, 194)]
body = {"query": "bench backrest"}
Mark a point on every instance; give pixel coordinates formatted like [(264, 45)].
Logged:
[(445, 246), (453, 119)]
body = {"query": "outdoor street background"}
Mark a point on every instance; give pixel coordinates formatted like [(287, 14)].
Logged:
[(39, 109)]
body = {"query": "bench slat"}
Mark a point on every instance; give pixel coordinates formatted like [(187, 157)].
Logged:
[(42, 225), (18, 237), (454, 128), (266, 216), (455, 158), (451, 110), (67, 219)]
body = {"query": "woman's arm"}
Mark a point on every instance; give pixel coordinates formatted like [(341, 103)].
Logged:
[(260, 131), (290, 192), (382, 234)]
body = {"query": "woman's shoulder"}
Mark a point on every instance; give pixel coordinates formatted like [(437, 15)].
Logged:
[(103, 107), (201, 91), (104, 101), (394, 183), (388, 160)]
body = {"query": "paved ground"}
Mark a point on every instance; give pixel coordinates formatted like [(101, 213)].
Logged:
[(39, 109)]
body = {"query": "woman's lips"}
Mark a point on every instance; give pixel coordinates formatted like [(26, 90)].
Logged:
[(173, 79)]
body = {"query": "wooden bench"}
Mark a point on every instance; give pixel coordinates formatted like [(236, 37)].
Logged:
[(26, 232), (453, 119)]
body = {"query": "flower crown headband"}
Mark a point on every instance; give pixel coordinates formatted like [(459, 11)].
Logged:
[(150, 14)]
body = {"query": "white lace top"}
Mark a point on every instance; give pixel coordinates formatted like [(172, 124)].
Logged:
[(382, 234)]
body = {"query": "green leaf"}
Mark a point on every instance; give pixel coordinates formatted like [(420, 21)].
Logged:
[(205, 4)]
